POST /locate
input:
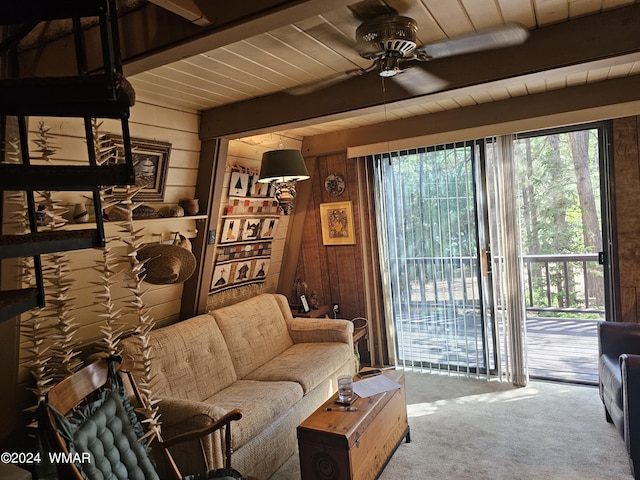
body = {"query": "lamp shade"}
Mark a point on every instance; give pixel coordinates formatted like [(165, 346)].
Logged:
[(283, 166)]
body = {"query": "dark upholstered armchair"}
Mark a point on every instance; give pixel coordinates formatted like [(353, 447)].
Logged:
[(619, 372)]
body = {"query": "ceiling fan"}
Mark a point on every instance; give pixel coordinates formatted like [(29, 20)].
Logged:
[(389, 40)]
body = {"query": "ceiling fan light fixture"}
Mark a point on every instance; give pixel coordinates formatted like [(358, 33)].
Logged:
[(389, 66)]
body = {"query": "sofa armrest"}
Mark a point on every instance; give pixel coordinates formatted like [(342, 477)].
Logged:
[(630, 365), (180, 415), (616, 338), (314, 330), (186, 421)]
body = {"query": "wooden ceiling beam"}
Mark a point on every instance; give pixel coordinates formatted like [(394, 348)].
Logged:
[(585, 103), (231, 22), (566, 47), (152, 36)]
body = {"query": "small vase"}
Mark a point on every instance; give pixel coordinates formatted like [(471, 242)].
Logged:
[(80, 214), (176, 211), (190, 206)]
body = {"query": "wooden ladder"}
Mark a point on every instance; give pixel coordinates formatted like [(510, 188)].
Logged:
[(104, 94)]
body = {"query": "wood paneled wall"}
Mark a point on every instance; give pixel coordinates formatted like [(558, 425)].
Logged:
[(333, 272), (336, 273), (626, 193)]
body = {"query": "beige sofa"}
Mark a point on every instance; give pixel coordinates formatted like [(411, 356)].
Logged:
[(254, 356)]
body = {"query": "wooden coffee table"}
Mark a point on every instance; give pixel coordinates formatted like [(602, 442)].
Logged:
[(354, 445)]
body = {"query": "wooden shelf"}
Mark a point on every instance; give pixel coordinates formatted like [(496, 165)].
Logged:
[(245, 242), (137, 221), (321, 312), (156, 229), (151, 221), (252, 215)]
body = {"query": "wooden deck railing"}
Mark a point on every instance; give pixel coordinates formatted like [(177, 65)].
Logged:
[(566, 283), (560, 283)]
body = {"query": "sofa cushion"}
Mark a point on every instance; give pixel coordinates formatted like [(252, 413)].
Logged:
[(308, 364), (261, 404), (190, 359), (255, 332)]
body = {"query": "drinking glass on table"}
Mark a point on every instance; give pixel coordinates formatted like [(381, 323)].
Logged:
[(345, 389)]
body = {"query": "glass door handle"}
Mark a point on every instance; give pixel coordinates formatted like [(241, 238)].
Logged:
[(485, 260)]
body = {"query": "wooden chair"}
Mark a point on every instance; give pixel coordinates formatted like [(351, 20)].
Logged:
[(87, 388)]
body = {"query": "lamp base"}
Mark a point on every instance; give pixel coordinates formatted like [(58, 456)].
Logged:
[(284, 193)]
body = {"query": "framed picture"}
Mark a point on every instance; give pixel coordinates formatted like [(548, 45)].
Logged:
[(304, 305), (150, 163), (337, 223)]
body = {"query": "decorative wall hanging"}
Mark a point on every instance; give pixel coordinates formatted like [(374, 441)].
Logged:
[(334, 184), (238, 229), (240, 206), (150, 161), (244, 184), (337, 223), (251, 217), (244, 249)]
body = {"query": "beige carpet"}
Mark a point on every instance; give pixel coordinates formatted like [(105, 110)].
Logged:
[(469, 429)]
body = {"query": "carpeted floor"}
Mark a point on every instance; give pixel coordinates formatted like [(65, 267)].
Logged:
[(469, 429)]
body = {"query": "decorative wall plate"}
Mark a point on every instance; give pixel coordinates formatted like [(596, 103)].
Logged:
[(334, 184)]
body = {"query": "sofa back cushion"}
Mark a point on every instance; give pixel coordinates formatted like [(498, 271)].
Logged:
[(255, 331), (190, 359)]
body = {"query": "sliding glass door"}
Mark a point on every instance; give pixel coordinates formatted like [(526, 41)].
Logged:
[(563, 245), (429, 241), (479, 238)]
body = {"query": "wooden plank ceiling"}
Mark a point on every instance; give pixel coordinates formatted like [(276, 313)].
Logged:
[(319, 46), (236, 63)]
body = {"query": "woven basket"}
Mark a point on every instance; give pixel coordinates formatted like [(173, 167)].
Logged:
[(359, 323)]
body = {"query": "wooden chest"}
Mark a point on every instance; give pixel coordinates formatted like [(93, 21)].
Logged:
[(343, 445)]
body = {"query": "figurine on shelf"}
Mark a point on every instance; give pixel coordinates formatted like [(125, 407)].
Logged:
[(313, 301)]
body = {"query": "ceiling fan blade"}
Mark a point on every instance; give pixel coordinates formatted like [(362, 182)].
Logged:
[(327, 34), (326, 82), (370, 9), (503, 36), (419, 82)]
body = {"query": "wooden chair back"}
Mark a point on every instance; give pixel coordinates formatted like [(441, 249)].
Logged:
[(71, 391), (65, 396), (80, 386)]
